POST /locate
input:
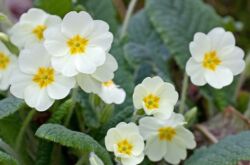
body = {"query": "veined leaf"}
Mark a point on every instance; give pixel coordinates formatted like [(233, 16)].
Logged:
[(83, 142), (145, 45), (57, 7), (178, 20), (228, 151), (6, 159), (9, 106)]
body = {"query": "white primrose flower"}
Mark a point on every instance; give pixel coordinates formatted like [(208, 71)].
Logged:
[(31, 26), (166, 139), (8, 63), (126, 143), (156, 97), (95, 160), (36, 81), (79, 44), (215, 58)]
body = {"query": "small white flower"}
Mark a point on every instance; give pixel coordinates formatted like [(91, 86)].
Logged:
[(126, 143), (166, 139), (111, 93), (94, 159), (215, 58), (92, 83), (8, 63), (31, 26), (156, 97), (79, 44), (36, 81)]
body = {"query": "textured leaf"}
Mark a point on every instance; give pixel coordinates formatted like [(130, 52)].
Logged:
[(103, 10), (228, 151), (6, 159), (83, 142), (145, 45), (10, 105), (178, 20), (57, 7), (45, 148)]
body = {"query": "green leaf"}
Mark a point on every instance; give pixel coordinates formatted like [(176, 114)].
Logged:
[(103, 10), (45, 148), (56, 7), (145, 45), (83, 142), (6, 159), (228, 151), (9, 106), (178, 20)]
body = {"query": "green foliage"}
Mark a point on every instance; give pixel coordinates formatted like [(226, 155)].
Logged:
[(10, 105), (228, 151), (56, 7), (178, 20), (103, 10), (6, 159), (146, 46), (45, 148), (83, 142)]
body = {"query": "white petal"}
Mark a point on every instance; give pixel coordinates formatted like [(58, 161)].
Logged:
[(5, 79), (133, 160), (155, 149), (112, 138), (219, 78), (84, 65), (167, 93), (77, 23), (96, 55), (164, 112), (175, 153), (112, 95), (32, 58), (61, 87), (152, 84), (126, 130), (105, 72), (139, 93), (88, 83), (196, 72), (53, 20), (138, 144), (34, 16), (149, 126), (199, 46), (185, 138), (65, 65), (4, 49), (40, 100), (19, 81), (55, 42), (94, 159)]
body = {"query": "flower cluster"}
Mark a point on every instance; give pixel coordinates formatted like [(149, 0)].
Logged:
[(58, 54), (164, 131)]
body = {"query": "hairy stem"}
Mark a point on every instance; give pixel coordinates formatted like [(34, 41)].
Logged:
[(23, 129), (71, 110), (127, 17), (183, 94)]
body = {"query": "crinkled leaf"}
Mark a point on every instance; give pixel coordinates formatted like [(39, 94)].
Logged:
[(228, 151), (10, 105), (178, 20), (83, 142), (56, 7), (6, 159)]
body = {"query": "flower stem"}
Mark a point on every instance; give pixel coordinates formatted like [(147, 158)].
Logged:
[(23, 129), (71, 110), (127, 18), (183, 94), (81, 161)]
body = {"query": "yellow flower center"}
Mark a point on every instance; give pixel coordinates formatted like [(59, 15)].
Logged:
[(166, 133), (77, 44), (125, 147), (4, 61), (38, 31), (108, 83), (44, 76), (211, 60), (151, 101)]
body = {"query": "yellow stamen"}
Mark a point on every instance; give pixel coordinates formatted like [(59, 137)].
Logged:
[(125, 147), (166, 133), (77, 44), (44, 76), (4, 61), (38, 31), (211, 60), (151, 101), (108, 83)]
